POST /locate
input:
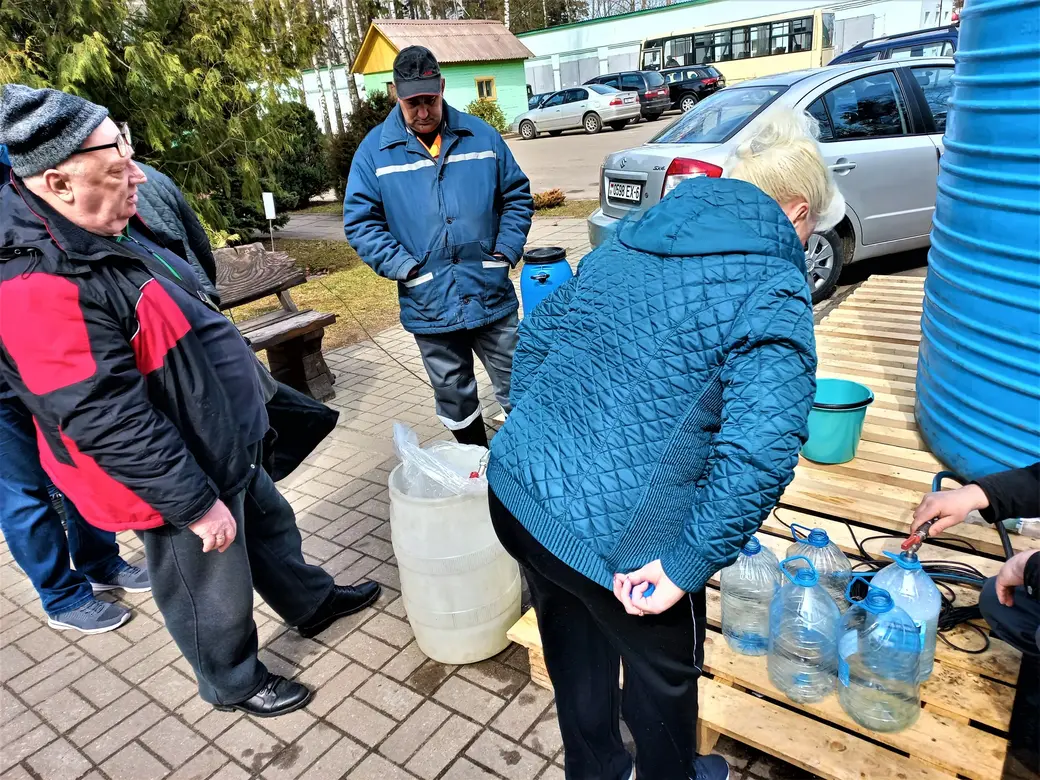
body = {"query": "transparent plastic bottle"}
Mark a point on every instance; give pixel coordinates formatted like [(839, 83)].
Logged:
[(803, 635), (831, 563), (879, 651), (748, 587), (913, 591)]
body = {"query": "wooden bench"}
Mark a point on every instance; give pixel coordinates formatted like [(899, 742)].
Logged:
[(872, 337), (291, 337)]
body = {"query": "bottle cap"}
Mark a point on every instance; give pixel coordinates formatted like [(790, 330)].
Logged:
[(753, 547)]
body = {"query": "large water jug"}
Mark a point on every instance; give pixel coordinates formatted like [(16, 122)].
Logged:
[(803, 635), (748, 587), (461, 589), (879, 651), (913, 590), (831, 563)]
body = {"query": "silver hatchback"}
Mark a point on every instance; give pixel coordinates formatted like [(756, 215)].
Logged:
[(881, 126), (589, 108)]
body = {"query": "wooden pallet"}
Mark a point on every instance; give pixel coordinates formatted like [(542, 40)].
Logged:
[(871, 337)]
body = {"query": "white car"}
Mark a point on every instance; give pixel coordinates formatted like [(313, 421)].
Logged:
[(589, 108)]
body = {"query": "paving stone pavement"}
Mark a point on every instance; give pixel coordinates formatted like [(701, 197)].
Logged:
[(123, 705)]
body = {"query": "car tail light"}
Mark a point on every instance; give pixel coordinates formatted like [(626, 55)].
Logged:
[(602, 179), (682, 169), (710, 81), (617, 102)]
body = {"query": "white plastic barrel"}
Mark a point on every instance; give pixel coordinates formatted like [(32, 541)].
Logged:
[(461, 589)]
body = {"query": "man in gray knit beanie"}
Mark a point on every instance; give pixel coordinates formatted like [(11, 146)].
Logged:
[(43, 127), (147, 415), (70, 154)]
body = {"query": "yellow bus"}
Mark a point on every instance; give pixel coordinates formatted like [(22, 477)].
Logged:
[(750, 48)]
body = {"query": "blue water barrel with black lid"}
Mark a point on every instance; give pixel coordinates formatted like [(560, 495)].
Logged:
[(545, 269), (978, 373)]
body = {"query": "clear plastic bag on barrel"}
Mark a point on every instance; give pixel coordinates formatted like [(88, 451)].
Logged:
[(441, 470)]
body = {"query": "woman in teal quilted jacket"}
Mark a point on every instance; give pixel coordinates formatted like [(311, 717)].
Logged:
[(659, 402)]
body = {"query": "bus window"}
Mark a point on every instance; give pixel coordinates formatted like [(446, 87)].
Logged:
[(679, 50), (760, 40), (723, 51), (801, 34), (780, 33), (704, 46), (741, 50), (828, 31), (652, 59)]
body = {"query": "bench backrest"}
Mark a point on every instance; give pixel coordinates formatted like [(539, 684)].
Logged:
[(250, 272)]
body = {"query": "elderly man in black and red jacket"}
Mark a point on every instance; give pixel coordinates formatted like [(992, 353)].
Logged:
[(149, 408)]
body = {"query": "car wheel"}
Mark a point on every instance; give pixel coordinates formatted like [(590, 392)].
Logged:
[(621, 124), (592, 124), (652, 117), (527, 131), (824, 259), (687, 102)]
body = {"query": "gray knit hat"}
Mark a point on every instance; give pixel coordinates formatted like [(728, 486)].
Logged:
[(43, 127)]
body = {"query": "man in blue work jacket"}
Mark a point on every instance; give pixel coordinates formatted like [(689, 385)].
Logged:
[(436, 202)]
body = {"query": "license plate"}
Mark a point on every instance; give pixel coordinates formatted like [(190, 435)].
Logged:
[(629, 99), (619, 190)]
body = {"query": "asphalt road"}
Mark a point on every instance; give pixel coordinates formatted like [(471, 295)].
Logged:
[(571, 161)]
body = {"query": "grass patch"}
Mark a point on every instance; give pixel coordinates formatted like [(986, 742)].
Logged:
[(578, 209), (341, 285), (335, 207)]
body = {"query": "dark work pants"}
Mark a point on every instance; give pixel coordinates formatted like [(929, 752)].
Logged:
[(206, 599), (586, 635), (448, 359), (1019, 626)]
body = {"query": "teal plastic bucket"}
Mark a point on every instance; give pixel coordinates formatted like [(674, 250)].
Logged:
[(836, 420)]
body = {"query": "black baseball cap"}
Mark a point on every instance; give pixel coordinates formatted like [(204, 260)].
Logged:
[(416, 72)]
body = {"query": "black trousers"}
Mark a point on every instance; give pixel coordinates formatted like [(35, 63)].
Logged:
[(586, 636), (1019, 626), (206, 599)]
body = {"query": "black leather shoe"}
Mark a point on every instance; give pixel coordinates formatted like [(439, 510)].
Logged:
[(279, 696), (344, 600)]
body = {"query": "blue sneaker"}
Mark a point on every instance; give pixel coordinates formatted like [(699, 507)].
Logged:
[(132, 579), (711, 767), (93, 617)]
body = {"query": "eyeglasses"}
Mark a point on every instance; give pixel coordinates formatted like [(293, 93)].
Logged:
[(121, 144)]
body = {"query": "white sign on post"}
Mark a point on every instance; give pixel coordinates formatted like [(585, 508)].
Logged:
[(269, 213)]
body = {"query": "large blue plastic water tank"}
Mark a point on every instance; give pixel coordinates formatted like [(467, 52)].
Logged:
[(978, 376)]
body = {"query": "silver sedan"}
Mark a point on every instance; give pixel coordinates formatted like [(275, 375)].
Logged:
[(881, 127), (589, 108)]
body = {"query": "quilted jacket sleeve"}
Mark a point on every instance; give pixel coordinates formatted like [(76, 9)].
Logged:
[(516, 206), (364, 221), (72, 366), (768, 382), (538, 330)]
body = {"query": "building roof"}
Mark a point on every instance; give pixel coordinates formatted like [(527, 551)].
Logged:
[(450, 40)]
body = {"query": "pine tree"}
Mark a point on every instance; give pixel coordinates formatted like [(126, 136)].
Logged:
[(197, 80)]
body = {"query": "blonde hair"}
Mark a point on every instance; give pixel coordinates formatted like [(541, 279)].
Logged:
[(783, 159)]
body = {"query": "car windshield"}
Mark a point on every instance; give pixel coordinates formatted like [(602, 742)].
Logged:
[(715, 119), (601, 88), (653, 79)]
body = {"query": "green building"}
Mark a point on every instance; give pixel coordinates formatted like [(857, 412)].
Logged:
[(479, 59)]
